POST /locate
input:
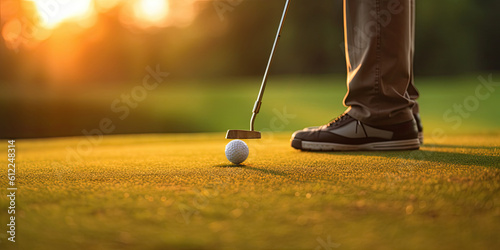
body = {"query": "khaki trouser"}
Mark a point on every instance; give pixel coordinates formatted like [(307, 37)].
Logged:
[(379, 42)]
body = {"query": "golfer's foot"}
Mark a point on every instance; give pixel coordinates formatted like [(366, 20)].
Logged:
[(348, 134), (419, 128)]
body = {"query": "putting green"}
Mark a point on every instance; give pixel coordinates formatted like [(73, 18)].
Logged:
[(179, 192)]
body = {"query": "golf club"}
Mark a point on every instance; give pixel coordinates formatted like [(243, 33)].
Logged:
[(252, 134)]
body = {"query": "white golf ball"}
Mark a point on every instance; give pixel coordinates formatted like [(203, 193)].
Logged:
[(237, 151)]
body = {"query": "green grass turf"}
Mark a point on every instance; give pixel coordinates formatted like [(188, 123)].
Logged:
[(179, 192), (210, 105)]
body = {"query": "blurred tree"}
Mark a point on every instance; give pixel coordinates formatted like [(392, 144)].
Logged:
[(488, 34), (453, 36), (447, 37)]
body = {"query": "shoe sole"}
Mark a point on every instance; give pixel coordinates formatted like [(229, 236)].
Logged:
[(411, 144)]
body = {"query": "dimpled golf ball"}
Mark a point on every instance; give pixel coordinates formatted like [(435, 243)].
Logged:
[(237, 151)]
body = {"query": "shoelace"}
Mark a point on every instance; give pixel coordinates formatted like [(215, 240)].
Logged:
[(344, 117), (338, 119)]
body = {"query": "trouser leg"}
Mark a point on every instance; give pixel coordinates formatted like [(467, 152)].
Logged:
[(378, 42), (412, 90)]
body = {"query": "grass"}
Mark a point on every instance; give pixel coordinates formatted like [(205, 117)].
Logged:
[(179, 192), (181, 106)]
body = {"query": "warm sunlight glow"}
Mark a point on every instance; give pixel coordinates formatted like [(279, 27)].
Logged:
[(105, 5), (53, 13), (152, 11), (27, 23)]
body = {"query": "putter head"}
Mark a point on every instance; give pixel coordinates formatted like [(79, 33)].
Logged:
[(242, 134)]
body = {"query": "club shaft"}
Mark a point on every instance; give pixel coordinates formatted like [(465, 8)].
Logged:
[(258, 103)]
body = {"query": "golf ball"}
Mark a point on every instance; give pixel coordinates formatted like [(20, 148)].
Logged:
[(237, 151)]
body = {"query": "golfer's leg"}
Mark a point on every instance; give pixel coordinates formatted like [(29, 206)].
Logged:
[(378, 55), (379, 117), (412, 90)]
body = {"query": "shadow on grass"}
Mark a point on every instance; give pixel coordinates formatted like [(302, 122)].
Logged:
[(243, 166), (268, 171), (460, 146), (429, 155), (230, 166)]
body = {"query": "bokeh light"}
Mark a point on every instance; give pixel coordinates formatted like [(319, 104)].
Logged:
[(29, 22), (54, 13), (153, 11)]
